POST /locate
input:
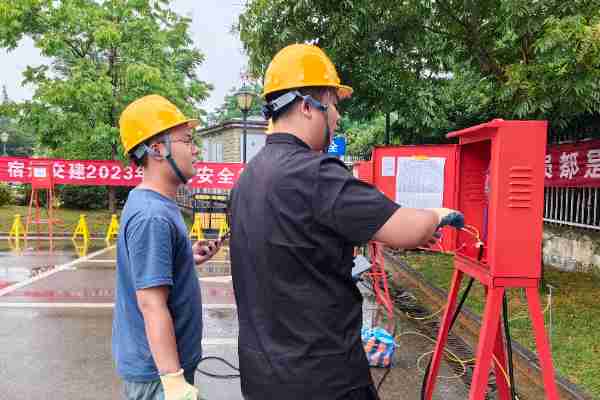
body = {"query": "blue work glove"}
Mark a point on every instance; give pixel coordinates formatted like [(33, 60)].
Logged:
[(449, 217)]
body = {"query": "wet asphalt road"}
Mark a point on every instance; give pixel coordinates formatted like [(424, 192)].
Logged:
[(55, 334)]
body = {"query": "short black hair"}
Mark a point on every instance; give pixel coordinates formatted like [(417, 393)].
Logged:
[(316, 92)]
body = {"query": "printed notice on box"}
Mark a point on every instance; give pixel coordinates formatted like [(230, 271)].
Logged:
[(420, 182), (388, 166)]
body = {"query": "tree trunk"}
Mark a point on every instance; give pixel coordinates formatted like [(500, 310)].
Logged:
[(112, 193), (387, 128)]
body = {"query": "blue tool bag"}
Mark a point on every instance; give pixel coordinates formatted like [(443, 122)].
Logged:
[(379, 346)]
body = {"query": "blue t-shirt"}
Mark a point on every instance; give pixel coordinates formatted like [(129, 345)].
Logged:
[(153, 249)]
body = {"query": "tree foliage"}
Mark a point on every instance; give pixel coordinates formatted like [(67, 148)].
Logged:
[(104, 55), (21, 141), (445, 64), (230, 109)]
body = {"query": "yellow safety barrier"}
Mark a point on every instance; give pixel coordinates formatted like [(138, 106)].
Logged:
[(223, 228), (196, 231), (82, 229), (81, 248), (17, 231), (113, 228)]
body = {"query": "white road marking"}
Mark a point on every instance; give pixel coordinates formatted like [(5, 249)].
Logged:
[(53, 271), (219, 341), (215, 279), (56, 305), (42, 304)]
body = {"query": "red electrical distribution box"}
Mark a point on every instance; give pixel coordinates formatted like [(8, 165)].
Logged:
[(500, 190), (363, 170), (385, 173), (42, 179), (41, 174)]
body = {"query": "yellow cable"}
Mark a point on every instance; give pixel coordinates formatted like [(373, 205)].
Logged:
[(454, 357), (464, 367), (427, 317), (548, 303)]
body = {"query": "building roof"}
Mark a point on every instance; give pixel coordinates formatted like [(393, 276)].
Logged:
[(253, 123)]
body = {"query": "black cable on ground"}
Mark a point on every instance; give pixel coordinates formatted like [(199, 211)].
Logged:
[(511, 374), (218, 376), (454, 318)]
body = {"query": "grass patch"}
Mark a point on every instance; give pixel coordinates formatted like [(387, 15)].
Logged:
[(97, 220), (575, 315)]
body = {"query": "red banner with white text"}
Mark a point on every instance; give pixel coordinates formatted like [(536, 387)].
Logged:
[(573, 164), (114, 173)]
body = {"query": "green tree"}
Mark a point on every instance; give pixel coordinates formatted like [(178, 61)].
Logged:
[(230, 109), (104, 55), (428, 61), (21, 141)]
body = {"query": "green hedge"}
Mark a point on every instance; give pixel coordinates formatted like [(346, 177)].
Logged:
[(90, 197), (5, 194)]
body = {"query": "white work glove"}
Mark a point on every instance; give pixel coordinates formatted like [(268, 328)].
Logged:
[(176, 387), (204, 250), (450, 217)]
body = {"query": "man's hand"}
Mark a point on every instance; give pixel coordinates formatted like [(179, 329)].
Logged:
[(204, 250), (437, 235), (449, 217), (176, 387)]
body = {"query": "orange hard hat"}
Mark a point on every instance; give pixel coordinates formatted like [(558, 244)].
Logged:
[(148, 116), (302, 65)]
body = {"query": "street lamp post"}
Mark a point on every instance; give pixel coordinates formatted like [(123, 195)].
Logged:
[(4, 139), (244, 99)]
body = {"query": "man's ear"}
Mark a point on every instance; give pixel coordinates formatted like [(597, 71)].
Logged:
[(305, 109), (154, 150)]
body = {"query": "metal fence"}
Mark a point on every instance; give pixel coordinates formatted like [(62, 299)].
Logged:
[(185, 196), (572, 206), (577, 207)]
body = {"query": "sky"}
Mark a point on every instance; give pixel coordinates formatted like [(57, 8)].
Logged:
[(210, 30)]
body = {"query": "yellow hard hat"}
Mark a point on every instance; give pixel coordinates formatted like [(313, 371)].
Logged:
[(302, 65), (147, 117)]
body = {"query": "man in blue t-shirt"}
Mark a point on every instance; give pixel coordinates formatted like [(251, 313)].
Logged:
[(157, 324)]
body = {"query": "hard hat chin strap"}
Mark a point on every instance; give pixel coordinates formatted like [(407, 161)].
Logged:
[(271, 108), (325, 110), (327, 139), (145, 149), (172, 162)]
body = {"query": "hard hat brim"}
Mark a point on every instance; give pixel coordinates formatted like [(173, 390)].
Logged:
[(343, 91), (192, 123)]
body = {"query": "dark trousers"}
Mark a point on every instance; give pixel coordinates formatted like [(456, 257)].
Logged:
[(363, 393)]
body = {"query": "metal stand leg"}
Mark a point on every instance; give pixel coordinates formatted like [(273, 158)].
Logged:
[(490, 323), (541, 340), (443, 333)]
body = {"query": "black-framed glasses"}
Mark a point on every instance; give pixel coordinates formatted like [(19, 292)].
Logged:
[(188, 141)]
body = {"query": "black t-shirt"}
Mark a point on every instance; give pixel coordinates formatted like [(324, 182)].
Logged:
[(296, 215)]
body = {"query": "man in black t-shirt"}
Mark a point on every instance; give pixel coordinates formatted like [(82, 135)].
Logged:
[(296, 216)]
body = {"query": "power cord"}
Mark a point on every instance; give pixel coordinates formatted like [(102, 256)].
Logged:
[(511, 372), (454, 318), (218, 376)]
